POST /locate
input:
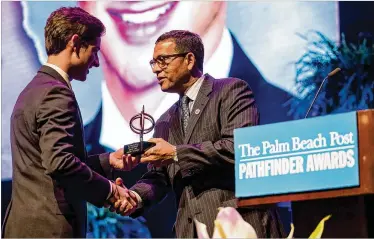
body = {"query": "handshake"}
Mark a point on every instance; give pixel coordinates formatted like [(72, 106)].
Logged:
[(122, 200)]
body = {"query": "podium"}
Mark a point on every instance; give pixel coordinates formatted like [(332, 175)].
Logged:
[(343, 189)]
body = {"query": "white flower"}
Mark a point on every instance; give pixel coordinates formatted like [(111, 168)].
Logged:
[(228, 224)]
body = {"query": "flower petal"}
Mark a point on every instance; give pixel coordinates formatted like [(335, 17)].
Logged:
[(231, 225), (201, 229)]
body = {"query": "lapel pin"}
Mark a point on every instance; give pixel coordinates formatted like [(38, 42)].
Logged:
[(197, 111)]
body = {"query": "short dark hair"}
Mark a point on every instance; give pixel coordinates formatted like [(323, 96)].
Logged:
[(186, 41), (64, 22)]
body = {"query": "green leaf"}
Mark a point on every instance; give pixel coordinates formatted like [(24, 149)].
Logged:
[(317, 233)]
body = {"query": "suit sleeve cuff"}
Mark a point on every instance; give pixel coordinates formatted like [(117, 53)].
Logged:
[(105, 165)]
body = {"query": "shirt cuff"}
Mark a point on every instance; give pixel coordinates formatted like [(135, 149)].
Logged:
[(110, 191), (176, 156), (138, 198)]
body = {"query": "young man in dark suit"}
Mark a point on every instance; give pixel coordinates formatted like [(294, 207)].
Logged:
[(194, 151), (53, 177)]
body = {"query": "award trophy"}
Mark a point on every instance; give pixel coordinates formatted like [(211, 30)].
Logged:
[(138, 148)]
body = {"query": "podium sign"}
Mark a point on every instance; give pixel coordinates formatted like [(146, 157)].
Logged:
[(297, 156)]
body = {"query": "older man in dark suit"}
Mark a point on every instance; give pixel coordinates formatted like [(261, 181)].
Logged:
[(194, 151), (52, 175)]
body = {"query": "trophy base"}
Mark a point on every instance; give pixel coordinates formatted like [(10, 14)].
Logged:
[(134, 148)]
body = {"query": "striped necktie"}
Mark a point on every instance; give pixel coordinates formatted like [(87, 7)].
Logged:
[(185, 111)]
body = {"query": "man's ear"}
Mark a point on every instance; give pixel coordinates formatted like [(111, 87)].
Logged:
[(191, 61), (75, 44)]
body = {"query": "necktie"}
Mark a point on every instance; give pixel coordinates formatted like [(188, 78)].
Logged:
[(185, 111)]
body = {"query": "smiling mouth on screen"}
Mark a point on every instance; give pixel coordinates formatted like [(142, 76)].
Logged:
[(137, 23)]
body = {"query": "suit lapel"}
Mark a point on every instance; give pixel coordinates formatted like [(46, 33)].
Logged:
[(176, 132), (199, 105)]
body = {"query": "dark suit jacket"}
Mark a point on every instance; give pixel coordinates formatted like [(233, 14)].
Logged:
[(52, 179), (203, 178)]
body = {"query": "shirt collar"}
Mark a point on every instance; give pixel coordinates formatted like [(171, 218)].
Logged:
[(194, 89), (61, 72), (218, 65)]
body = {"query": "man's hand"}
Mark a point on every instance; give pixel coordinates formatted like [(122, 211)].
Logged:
[(161, 154), (127, 206), (123, 201), (121, 161)]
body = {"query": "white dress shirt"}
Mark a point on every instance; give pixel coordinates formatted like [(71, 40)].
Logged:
[(193, 91)]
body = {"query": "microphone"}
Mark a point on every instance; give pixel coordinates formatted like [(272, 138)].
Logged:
[(332, 73)]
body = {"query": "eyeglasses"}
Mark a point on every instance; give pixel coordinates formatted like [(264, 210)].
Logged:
[(162, 61)]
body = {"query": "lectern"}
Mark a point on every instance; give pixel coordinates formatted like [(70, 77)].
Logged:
[(323, 165)]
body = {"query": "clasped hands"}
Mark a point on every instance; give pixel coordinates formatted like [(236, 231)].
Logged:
[(123, 200)]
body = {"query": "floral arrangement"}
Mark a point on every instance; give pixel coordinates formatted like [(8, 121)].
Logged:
[(230, 224), (349, 90)]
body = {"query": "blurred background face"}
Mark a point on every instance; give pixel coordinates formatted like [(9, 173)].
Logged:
[(133, 27)]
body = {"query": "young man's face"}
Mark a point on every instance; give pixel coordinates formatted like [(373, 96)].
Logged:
[(87, 58), (133, 27)]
